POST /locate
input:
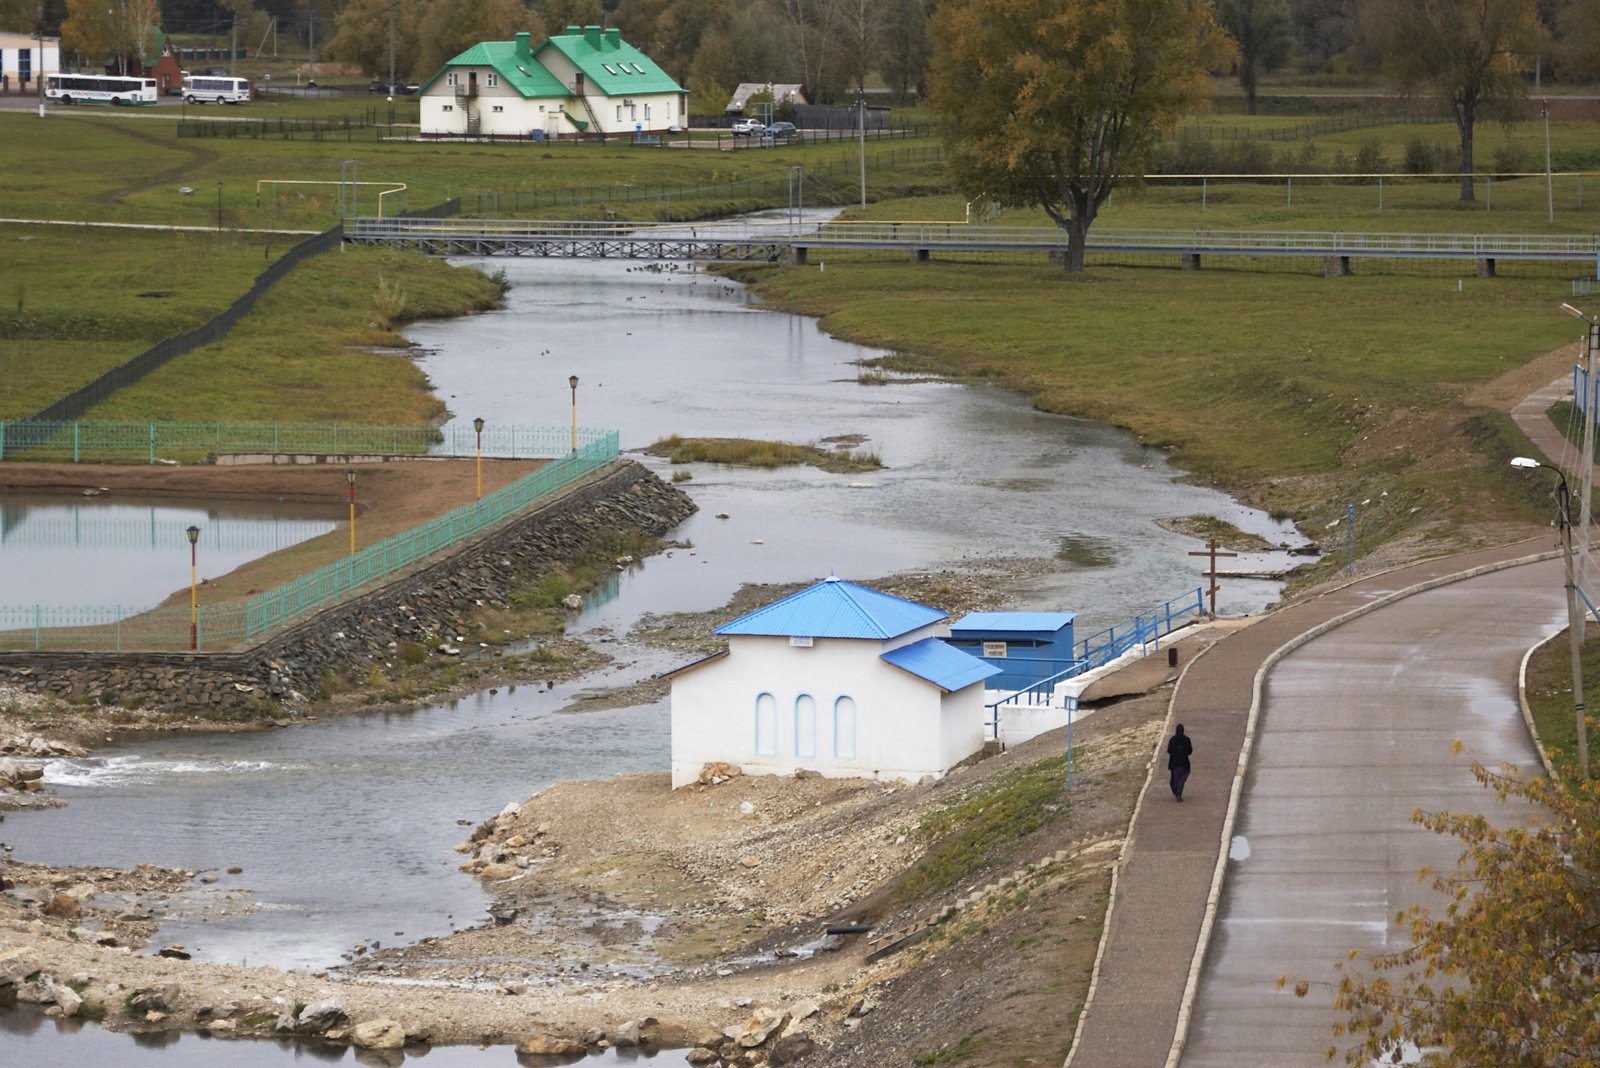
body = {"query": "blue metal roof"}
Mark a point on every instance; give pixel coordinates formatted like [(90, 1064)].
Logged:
[(834, 608), (1031, 622), (933, 660)]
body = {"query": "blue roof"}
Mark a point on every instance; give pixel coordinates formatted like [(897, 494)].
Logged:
[(834, 608), (947, 668), (1014, 621)]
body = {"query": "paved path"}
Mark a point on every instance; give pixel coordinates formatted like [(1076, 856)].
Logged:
[(1166, 889)]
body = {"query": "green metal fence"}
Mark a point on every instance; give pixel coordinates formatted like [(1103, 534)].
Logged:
[(234, 623), (150, 442)]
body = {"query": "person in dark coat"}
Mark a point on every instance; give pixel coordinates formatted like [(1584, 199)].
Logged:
[(1178, 749)]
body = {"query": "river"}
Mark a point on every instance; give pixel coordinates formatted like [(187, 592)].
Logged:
[(344, 828)]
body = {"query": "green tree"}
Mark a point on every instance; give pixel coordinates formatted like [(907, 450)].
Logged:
[(559, 14), (91, 29), (361, 36), (1260, 28), (449, 27), (1505, 972), (1049, 103), (1469, 54), (905, 48)]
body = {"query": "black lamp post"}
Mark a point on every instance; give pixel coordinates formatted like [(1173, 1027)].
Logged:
[(194, 600), (477, 425)]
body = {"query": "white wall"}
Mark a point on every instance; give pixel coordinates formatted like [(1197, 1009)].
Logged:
[(904, 726)]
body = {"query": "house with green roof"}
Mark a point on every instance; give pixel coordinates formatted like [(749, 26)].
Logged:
[(585, 81)]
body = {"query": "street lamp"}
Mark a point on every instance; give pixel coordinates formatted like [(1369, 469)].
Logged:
[(1575, 619), (477, 425), (1549, 181), (350, 476), (194, 601), (572, 380)]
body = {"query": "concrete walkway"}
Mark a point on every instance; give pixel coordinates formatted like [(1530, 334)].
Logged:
[(1168, 885)]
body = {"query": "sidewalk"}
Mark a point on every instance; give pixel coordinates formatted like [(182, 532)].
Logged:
[(1167, 885)]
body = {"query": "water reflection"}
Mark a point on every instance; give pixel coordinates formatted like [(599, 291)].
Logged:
[(109, 551)]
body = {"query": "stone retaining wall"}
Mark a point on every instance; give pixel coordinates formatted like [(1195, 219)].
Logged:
[(426, 607)]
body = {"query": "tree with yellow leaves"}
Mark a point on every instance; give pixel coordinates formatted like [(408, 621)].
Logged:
[(1506, 972), (1051, 103)]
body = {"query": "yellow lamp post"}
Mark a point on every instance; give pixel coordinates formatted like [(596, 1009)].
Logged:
[(572, 381), (477, 425), (350, 476), (194, 600)]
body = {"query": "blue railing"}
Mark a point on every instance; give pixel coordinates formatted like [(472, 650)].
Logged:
[(1143, 631)]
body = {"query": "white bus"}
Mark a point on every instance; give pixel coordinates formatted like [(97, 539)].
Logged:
[(99, 89), (204, 89)]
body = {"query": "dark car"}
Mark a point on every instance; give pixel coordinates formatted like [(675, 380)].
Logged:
[(378, 85), (782, 131)]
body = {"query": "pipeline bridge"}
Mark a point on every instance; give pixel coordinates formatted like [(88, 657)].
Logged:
[(791, 240)]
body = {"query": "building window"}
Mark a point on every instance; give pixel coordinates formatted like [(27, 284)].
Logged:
[(766, 725), (647, 113), (805, 726), (497, 107), (619, 112), (844, 728), (448, 107), (450, 79), (493, 81)]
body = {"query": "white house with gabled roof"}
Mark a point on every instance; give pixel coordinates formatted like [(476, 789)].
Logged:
[(839, 679), (588, 80)]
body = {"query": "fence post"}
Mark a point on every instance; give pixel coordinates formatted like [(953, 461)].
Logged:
[(152, 442), (37, 612), (119, 628), (199, 628), (75, 441)]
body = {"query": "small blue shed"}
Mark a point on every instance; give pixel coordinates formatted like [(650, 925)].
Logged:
[(1025, 646)]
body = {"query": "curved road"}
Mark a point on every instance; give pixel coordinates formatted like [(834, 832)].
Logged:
[(1355, 733)]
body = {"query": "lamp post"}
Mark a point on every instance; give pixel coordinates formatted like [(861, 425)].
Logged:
[(194, 601), (1549, 186), (1575, 619), (477, 425), (350, 477), (572, 380)]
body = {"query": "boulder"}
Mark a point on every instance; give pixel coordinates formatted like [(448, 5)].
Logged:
[(550, 1046), (66, 998), (16, 964), (321, 1015), (718, 771), (627, 1034), (379, 1034), (758, 1028), (790, 1048), (153, 999), (63, 906), (701, 1055)]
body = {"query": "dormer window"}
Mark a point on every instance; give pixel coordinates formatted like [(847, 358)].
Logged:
[(609, 68)]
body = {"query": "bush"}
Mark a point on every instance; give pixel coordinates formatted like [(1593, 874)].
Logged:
[(1370, 158), (1424, 157), (1510, 159)]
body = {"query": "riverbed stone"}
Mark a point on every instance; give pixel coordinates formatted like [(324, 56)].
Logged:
[(758, 1028), (321, 1015), (382, 1033), (17, 963), (550, 1046)]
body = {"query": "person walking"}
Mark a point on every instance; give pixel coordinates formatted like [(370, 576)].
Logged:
[(1178, 749)]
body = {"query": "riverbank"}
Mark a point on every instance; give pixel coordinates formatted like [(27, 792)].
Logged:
[(683, 913)]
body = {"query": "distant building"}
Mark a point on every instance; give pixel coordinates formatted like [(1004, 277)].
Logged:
[(782, 93), (838, 679), (585, 81), (159, 61), (21, 65)]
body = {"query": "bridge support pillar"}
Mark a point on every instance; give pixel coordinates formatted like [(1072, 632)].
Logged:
[(919, 255), (1335, 266), (1191, 261), (797, 255), (1486, 267)]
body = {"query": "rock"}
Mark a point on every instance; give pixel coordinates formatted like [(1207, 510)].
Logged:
[(790, 1048), (64, 906), (718, 771), (593, 1037), (572, 601), (747, 808), (379, 1034), (627, 1034), (16, 964), (701, 1055), (222, 1027), (550, 1046), (756, 1030), (750, 862), (805, 1010), (67, 998), (153, 999), (176, 952), (321, 1015)]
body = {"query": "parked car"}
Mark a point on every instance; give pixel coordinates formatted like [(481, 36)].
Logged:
[(782, 131), (749, 128), (378, 85)]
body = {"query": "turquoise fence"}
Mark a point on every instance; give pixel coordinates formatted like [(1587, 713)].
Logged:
[(150, 442), (232, 623)]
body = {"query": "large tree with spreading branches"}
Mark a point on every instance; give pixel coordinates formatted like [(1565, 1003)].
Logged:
[(1051, 103)]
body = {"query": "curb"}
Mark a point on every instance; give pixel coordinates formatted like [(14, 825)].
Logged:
[(1527, 713)]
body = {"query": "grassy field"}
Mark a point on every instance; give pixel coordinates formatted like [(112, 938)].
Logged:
[(1550, 698)]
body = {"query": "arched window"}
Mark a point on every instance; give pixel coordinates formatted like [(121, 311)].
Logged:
[(805, 726), (766, 725), (844, 728)]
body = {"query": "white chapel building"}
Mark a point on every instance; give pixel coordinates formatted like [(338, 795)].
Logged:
[(839, 679)]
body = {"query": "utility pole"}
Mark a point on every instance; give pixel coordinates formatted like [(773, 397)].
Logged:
[(1576, 624), (391, 48), (1213, 552), (861, 108), (233, 45), (1549, 181)]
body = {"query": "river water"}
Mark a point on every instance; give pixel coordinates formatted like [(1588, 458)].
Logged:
[(344, 828)]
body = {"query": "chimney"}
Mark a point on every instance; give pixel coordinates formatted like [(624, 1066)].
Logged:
[(591, 35), (573, 31), (524, 45), (613, 37)]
